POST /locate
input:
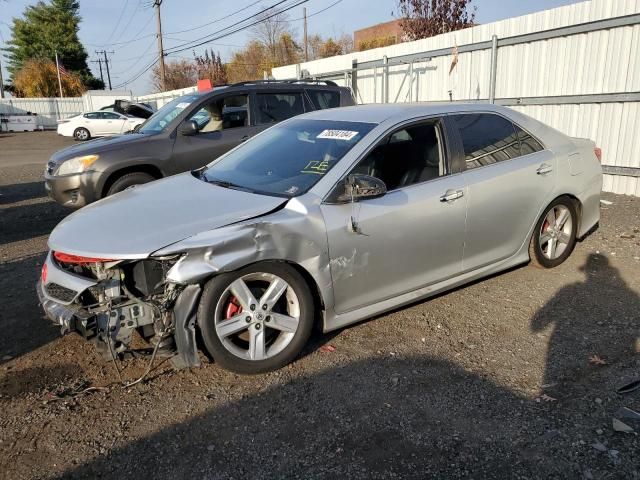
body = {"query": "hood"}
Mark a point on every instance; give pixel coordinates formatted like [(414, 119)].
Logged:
[(141, 220), (98, 146)]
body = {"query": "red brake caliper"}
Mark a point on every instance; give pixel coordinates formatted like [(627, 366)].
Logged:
[(233, 307)]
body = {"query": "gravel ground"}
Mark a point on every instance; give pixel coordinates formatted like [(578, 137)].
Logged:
[(493, 380)]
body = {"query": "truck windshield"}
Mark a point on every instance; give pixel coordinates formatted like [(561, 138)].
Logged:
[(288, 159), (159, 121)]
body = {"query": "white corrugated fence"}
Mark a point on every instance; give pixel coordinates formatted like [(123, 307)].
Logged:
[(576, 68)]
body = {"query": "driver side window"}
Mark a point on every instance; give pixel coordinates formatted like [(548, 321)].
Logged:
[(223, 114), (410, 155)]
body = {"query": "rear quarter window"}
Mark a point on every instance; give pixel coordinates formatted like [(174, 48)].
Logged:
[(486, 139), (323, 99)]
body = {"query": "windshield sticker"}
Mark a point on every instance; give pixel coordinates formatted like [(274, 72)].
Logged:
[(318, 167), (183, 105), (338, 134)]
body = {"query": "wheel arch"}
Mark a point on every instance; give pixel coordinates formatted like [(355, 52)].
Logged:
[(116, 174)]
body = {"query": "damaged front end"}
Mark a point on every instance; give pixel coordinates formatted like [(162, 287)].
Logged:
[(108, 300)]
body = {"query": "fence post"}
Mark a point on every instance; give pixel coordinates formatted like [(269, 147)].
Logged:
[(494, 68), (411, 82), (385, 79), (354, 79)]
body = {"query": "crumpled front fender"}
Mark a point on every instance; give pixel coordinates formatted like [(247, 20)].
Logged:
[(295, 234)]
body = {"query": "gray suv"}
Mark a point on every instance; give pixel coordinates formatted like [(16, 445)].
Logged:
[(185, 134)]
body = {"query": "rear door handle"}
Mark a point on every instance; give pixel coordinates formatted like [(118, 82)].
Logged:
[(451, 195), (544, 169)]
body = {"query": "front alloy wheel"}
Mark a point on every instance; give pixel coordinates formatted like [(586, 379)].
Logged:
[(555, 234), (257, 319)]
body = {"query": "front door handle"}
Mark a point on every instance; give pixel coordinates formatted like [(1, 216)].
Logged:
[(451, 195), (544, 169)]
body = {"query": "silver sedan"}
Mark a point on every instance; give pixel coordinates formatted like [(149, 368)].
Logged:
[(325, 219)]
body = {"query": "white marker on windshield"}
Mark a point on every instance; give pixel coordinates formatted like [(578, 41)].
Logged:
[(337, 134)]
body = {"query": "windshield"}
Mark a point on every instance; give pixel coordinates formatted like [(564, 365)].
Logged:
[(159, 121), (288, 159)]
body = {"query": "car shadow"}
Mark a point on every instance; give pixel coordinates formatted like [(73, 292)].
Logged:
[(19, 192), (380, 418), (22, 321), (23, 222), (595, 324), (413, 417)]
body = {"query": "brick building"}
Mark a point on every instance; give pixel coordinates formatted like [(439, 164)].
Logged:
[(380, 35)]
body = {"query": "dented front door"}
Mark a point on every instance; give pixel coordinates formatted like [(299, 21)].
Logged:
[(409, 238)]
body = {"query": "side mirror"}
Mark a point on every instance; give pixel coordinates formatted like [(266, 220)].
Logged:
[(188, 128), (360, 187)]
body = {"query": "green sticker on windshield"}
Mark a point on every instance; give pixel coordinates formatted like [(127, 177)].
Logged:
[(318, 167)]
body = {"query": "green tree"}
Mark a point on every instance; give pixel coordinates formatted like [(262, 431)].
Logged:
[(44, 29)]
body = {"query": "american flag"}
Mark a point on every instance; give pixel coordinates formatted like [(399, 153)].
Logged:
[(61, 69)]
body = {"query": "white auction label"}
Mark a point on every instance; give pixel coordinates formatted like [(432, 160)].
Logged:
[(338, 134)]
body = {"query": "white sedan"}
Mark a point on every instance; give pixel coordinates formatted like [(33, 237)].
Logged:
[(97, 124)]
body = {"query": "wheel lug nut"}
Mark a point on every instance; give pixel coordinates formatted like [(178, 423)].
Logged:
[(264, 307), (257, 326), (248, 319), (252, 307)]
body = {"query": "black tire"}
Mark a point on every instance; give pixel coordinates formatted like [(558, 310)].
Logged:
[(536, 254), (129, 180), (213, 292), (81, 134)]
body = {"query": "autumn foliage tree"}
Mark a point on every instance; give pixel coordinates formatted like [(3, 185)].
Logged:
[(426, 18), (210, 66), (39, 78)]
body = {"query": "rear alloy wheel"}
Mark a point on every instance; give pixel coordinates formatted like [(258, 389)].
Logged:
[(81, 134), (554, 237), (257, 319)]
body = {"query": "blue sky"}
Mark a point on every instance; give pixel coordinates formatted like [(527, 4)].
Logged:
[(104, 23)]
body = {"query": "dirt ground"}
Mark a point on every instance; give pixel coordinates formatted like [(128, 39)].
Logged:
[(493, 380)]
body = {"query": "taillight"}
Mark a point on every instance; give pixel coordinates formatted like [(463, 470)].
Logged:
[(76, 259), (598, 152), (43, 274)]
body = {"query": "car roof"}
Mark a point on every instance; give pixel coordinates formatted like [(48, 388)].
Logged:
[(271, 85), (378, 113)]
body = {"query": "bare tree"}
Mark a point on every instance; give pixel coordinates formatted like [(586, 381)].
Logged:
[(426, 18), (270, 29), (178, 74), (210, 66)]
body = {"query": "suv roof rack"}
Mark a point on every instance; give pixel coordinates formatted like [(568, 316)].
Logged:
[(300, 80)]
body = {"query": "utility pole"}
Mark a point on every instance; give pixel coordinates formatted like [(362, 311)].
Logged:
[(306, 43), (99, 62), (157, 3), (106, 63), (58, 72), (1, 82)]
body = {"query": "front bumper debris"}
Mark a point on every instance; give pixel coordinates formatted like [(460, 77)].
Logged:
[(68, 318)]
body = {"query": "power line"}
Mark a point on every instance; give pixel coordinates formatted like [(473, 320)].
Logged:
[(135, 38), (217, 20), (124, 8), (137, 76), (204, 40)]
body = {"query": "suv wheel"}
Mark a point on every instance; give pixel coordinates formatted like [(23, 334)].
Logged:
[(129, 180)]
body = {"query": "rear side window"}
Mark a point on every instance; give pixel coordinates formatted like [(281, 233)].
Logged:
[(528, 144), (92, 115), (110, 116), (275, 107), (487, 139), (322, 99)]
